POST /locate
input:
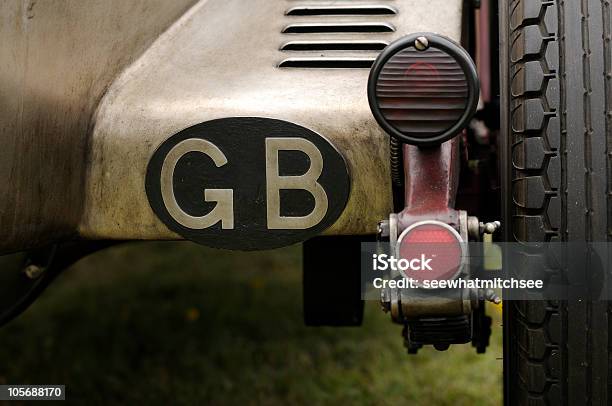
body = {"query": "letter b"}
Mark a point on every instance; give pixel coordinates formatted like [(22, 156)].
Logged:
[(308, 181)]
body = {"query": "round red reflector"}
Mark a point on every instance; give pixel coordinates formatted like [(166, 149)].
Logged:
[(433, 250)]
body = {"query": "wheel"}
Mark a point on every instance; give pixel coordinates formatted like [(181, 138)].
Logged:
[(556, 74), (332, 281)]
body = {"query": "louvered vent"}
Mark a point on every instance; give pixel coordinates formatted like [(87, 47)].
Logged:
[(342, 35)]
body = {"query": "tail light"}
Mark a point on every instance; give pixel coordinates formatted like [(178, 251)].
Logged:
[(423, 89), (438, 244)]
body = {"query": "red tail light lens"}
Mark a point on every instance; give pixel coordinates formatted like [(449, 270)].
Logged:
[(437, 248), (422, 92), (423, 96)]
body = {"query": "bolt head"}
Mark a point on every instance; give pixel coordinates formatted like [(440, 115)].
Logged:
[(33, 271), (421, 43)]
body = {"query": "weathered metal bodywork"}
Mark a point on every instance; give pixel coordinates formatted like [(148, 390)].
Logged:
[(57, 58), (89, 89)]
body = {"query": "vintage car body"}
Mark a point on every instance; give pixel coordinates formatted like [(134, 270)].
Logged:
[(414, 128), (90, 89)]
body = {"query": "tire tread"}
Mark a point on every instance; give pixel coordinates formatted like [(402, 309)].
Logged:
[(561, 186)]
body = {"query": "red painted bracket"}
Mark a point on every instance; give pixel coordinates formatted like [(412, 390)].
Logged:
[(431, 177)]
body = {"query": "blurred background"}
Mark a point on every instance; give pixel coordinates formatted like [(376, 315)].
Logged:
[(175, 322)]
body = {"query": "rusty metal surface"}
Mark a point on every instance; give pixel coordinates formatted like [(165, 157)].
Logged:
[(56, 60), (220, 60)]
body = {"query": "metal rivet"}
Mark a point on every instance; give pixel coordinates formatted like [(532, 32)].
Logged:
[(421, 43), (33, 271)]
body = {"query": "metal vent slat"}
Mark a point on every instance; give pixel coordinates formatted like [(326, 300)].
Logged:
[(331, 63), (340, 10), (314, 27), (301, 28), (334, 46)]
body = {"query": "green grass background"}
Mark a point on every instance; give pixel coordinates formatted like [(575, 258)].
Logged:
[(175, 323)]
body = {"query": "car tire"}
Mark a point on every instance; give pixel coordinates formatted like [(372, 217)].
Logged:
[(556, 80), (332, 281)]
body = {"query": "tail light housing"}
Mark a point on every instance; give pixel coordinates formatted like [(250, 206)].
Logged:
[(423, 89)]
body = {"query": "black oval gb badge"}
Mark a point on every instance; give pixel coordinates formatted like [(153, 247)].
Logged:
[(247, 183)]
